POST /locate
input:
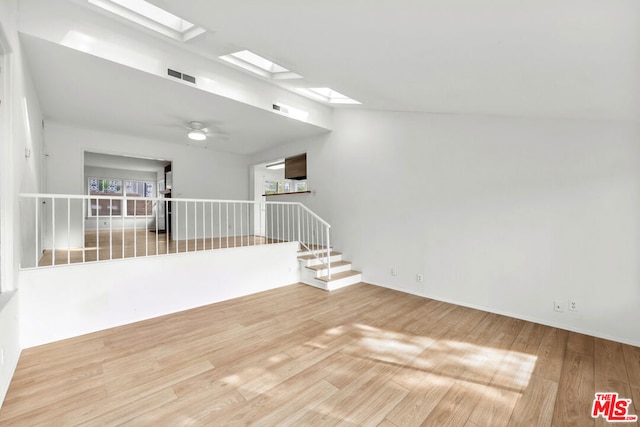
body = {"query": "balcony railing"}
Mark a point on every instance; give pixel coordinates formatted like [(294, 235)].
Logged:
[(71, 229)]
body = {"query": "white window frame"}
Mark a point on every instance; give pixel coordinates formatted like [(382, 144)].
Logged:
[(123, 207)]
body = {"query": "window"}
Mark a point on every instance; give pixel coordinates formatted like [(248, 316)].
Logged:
[(284, 187), (105, 187), (270, 187), (119, 188), (139, 189), (288, 186)]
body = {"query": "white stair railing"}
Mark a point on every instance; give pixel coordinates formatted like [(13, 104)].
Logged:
[(319, 241), (68, 229)]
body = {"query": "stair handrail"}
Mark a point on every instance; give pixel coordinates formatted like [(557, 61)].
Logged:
[(327, 248), (315, 215)]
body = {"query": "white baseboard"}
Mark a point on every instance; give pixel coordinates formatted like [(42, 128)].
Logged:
[(545, 322)]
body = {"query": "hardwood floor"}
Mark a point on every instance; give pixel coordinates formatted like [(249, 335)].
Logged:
[(362, 355), (107, 245)]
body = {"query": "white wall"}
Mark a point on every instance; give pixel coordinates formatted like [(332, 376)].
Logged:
[(20, 119), (116, 223), (506, 215), (62, 302), (197, 172), (29, 168), (9, 339), (21, 159)]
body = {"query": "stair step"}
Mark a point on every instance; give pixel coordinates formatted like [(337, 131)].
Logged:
[(312, 248), (338, 276), (310, 257), (334, 264)]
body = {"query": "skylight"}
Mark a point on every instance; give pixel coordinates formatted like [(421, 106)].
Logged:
[(151, 16), (258, 65), (328, 95), (259, 61)]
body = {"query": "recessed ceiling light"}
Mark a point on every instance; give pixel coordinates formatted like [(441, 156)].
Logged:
[(151, 16), (328, 95), (258, 65)]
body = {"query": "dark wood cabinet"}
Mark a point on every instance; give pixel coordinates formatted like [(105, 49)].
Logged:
[(295, 167)]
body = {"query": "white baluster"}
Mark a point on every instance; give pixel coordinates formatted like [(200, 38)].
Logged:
[(37, 240), (110, 228)]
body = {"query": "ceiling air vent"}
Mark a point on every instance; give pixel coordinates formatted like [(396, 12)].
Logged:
[(174, 73), (181, 76), (188, 78)]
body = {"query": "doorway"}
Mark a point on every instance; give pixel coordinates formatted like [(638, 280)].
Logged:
[(128, 176), (262, 175)]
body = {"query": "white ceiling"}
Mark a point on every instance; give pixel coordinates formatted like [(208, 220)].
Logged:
[(527, 58), (547, 58)]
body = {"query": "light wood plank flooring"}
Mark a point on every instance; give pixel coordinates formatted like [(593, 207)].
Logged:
[(362, 355), (107, 245)]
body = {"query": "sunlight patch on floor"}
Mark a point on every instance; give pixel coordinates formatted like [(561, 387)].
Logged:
[(455, 359), (494, 376)]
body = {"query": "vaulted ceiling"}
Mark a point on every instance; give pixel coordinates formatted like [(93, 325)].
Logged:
[(559, 59), (548, 58)]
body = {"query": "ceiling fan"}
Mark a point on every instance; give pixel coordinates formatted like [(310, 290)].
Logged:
[(197, 131)]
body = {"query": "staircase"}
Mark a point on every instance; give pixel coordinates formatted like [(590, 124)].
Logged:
[(314, 271)]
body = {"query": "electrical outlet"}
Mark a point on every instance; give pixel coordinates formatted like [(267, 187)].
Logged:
[(573, 306), (420, 277), (394, 271), (1, 356), (557, 306)]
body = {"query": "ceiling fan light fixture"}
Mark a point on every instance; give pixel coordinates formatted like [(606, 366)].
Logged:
[(197, 135)]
